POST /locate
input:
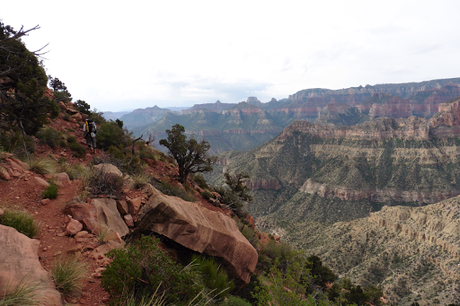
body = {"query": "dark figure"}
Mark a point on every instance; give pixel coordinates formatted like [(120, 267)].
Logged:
[(90, 130)]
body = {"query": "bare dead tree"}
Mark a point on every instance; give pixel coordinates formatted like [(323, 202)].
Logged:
[(133, 152), (151, 139)]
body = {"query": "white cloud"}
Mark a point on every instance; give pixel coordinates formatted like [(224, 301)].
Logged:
[(119, 55)]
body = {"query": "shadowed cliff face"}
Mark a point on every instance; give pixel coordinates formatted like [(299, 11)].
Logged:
[(312, 171), (412, 252)]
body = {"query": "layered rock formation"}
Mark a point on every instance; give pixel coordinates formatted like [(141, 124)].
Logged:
[(412, 252), (312, 170), (242, 126)]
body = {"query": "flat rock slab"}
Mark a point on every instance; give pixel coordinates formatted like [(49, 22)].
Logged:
[(108, 215)]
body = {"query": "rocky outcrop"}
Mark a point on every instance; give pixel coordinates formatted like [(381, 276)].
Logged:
[(412, 252), (19, 264), (200, 230)]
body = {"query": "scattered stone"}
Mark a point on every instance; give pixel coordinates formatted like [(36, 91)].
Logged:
[(82, 234), (62, 234), (57, 253), (62, 178), (134, 205), (45, 201), (85, 213), (73, 227), (4, 174), (76, 248), (129, 220), (41, 181), (122, 207)]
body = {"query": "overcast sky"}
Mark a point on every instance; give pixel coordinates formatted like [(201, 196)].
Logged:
[(123, 55)]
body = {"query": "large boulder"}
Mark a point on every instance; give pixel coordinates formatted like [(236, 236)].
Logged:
[(108, 215), (200, 230), (19, 264)]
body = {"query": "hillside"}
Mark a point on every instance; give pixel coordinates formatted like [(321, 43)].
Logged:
[(412, 252)]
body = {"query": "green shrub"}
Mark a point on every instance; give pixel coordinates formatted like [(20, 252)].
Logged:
[(173, 190), (235, 301), (68, 274), (200, 180), (77, 148), (22, 221), (71, 139), (207, 195), (15, 142), (214, 277), (51, 137), (110, 134), (142, 268), (51, 192)]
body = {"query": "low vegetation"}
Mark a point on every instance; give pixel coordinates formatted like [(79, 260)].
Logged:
[(42, 165), (23, 294), (51, 192), (68, 274), (22, 221)]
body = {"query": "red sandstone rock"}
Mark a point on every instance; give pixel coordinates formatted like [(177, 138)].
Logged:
[(85, 213), (129, 220), (18, 257), (200, 230), (134, 205), (73, 227)]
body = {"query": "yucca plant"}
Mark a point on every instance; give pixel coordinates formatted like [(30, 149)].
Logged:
[(68, 274), (139, 180), (42, 165), (24, 294)]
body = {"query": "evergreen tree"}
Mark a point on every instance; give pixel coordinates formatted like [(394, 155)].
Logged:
[(191, 156), (23, 80)]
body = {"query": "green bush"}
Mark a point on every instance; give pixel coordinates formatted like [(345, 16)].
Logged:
[(142, 268), (173, 190), (200, 180), (15, 142), (110, 134), (235, 301), (22, 221), (51, 192), (77, 148), (51, 137), (214, 277), (68, 274)]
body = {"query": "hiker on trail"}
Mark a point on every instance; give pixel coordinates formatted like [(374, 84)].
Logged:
[(90, 130)]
